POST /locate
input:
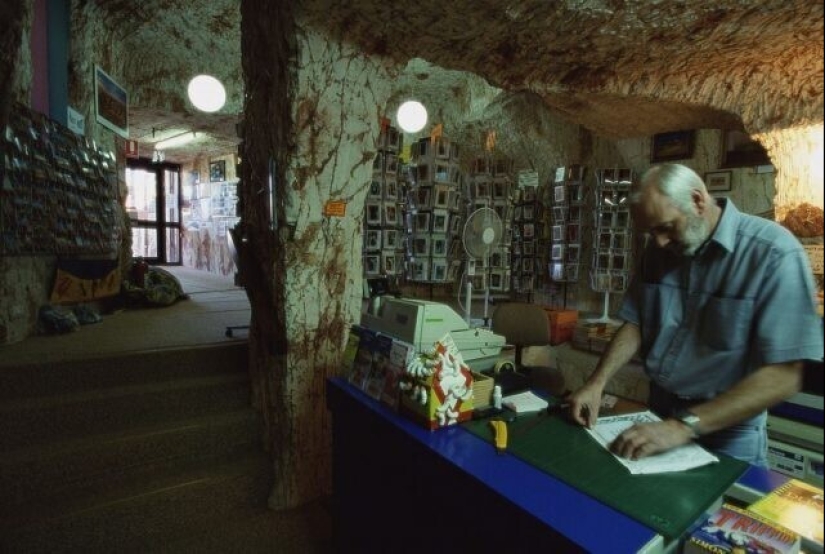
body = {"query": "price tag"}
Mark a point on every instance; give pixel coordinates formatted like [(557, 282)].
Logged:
[(335, 208)]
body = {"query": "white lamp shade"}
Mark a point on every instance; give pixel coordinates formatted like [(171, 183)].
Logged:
[(411, 116), (206, 93)]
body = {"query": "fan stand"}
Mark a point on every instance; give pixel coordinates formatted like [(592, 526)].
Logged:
[(605, 318)]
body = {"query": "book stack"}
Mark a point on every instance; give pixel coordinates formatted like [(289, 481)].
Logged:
[(798, 506), (593, 337), (732, 529)]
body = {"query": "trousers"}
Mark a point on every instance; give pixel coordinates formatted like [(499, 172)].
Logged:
[(746, 441)]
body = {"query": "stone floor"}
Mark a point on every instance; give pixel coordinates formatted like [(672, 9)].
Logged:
[(214, 303)]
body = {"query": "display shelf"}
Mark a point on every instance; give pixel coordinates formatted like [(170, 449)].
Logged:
[(58, 191), (612, 236)]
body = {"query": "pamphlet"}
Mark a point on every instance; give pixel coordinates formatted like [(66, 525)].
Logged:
[(683, 457), (524, 402)]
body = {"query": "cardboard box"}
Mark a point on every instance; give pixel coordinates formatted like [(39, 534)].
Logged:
[(562, 324), (482, 390), (443, 398)]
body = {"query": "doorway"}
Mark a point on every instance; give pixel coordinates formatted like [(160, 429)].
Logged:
[(153, 203)]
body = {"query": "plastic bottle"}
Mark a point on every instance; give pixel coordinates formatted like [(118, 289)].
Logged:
[(497, 397)]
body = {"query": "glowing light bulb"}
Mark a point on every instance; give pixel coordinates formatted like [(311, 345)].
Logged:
[(206, 93), (411, 116)]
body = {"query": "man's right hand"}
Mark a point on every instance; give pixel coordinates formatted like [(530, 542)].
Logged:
[(584, 405)]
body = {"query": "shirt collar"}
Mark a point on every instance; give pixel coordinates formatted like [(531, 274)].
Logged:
[(725, 233)]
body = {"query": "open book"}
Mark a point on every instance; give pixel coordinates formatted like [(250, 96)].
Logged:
[(680, 458)]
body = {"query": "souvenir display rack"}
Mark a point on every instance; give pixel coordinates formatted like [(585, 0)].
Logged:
[(58, 191), (566, 229), (490, 185), (612, 234), (433, 211), (527, 256), (383, 245)]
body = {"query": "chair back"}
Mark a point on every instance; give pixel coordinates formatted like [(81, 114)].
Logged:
[(521, 324)]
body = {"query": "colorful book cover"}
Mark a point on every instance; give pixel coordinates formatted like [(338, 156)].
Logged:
[(362, 364), (350, 351), (737, 531), (377, 375), (797, 505), (400, 354)]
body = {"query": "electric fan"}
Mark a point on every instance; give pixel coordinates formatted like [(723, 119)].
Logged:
[(482, 234)]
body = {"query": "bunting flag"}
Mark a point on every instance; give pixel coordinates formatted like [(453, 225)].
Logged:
[(437, 132), (490, 140), (85, 280)]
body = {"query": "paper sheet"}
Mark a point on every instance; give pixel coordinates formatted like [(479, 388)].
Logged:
[(524, 402), (678, 459)]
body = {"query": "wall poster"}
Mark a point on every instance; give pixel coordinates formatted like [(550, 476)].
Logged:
[(111, 104)]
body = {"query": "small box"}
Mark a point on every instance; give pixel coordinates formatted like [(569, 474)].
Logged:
[(482, 390), (443, 398), (562, 324)]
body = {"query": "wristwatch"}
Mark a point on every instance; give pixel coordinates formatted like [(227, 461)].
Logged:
[(691, 420)]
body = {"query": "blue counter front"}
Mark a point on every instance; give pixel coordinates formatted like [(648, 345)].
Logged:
[(401, 488)]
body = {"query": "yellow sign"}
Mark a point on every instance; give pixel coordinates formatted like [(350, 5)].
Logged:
[(335, 208)]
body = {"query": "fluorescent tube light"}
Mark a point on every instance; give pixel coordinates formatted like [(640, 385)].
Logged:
[(178, 140)]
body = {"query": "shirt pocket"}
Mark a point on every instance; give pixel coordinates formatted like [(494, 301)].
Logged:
[(725, 322)]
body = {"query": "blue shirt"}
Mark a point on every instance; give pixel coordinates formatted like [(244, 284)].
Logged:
[(744, 300)]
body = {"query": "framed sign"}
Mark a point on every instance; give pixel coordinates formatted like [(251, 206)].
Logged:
[(677, 145), (111, 104), (217, 171), (717, 181)]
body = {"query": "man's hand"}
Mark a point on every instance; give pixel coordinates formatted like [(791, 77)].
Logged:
[(644, 439), (584, 405)]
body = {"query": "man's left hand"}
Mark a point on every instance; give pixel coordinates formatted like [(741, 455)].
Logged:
[(645, 439)]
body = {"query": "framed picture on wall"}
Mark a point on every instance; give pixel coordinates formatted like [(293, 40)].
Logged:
[(111, 103), (718, 181), (217, 171), (676, 145)]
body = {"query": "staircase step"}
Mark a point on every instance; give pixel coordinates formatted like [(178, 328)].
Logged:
[(130, 368), (146, 515), (94, 462), (32, 421)]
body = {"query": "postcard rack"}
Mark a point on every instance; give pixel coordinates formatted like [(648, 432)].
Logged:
[(58, 191)]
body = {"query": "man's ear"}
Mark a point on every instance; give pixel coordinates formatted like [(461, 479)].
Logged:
[(700, 201)]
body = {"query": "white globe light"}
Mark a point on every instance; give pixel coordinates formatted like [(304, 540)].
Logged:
[(411, 116), (206, 93)]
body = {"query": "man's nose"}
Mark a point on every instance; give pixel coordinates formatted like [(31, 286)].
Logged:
[(661, 239)]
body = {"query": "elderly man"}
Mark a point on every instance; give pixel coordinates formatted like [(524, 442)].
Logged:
[(721, 308)]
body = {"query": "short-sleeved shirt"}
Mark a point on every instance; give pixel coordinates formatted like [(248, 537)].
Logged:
[(744, 300)]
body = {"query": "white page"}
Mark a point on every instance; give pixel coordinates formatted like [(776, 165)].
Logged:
[(524, 402), (680, 458)]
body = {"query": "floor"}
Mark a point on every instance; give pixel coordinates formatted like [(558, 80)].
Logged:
[(213, 303)]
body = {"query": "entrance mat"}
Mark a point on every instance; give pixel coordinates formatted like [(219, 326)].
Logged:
[(668, 503)]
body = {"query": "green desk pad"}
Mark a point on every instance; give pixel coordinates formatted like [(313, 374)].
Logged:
[(668, 503)]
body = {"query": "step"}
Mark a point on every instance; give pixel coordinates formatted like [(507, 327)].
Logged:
[(31, 421), (131, 368), (94, 462), (146, 515)]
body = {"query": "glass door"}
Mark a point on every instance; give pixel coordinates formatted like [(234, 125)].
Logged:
[(153, 205)]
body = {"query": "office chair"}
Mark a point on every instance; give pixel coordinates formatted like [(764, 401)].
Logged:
[(524, 324)]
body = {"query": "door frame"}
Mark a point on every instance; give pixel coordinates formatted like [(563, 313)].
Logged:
[(161, 225)]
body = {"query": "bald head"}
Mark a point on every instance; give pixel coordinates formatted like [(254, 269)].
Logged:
[(671, 203)]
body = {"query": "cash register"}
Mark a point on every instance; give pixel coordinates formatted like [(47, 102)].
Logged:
[(423, 322)]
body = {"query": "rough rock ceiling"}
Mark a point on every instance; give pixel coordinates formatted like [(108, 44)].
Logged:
[(621, 68)]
